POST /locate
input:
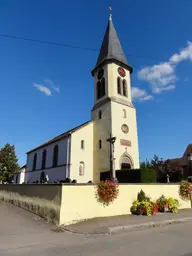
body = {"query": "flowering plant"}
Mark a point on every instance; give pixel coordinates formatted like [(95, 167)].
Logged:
[(107, 192), (185, 190)]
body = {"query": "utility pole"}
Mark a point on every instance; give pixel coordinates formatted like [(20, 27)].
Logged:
[(111, 141)]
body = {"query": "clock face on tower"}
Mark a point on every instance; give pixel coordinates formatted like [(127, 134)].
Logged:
[(125, 128), (121, 72), (100, 74)]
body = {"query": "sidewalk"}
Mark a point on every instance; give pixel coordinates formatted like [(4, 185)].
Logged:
[(117, 224)]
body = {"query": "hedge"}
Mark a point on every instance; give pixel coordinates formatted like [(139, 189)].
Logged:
[(132, 176)]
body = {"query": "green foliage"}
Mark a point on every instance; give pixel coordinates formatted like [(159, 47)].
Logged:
[(161, 203), (8, 162), (144, 208), (173, 204), (185, 190), (148, 175), (141, 196)]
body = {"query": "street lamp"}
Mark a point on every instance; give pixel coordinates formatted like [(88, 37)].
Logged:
[(189, 158)]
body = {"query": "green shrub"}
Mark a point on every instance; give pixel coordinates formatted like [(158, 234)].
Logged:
[(173, 204), (141, 196), (144, 208), (148, 176)]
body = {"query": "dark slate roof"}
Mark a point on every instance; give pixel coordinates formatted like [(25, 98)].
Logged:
[(59, 137), (111, 47)]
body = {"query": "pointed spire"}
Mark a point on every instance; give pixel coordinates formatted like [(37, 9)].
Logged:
[(111, 47)]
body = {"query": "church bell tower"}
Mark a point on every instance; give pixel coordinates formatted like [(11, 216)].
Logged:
[(113, 112)]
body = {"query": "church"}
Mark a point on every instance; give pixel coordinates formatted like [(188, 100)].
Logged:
[(83, 152)]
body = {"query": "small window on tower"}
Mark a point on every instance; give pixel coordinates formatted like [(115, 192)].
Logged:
[(100, 114), (124, 88), (100, 144), (124, 113), (98, 90), (119, 85), (82, 144), (102, 87)]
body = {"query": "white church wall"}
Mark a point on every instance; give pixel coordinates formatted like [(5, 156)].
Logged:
[(53, 173), (82, 155)]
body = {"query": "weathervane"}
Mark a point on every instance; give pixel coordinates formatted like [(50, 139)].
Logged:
[(110, 9)]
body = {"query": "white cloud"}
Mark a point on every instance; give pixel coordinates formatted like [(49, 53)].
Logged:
[(140, 95), (50, 83), (184, 54), (159, 76), (43, 89), (162, 77)]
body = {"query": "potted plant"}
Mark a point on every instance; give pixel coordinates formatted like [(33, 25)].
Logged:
[(162, 204)]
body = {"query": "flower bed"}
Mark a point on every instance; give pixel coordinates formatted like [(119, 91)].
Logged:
[(144, 206)]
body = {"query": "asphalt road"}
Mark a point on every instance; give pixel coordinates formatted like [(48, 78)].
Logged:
[(22, 233)]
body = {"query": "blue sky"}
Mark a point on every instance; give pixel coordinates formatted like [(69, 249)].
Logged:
[(155, 36)]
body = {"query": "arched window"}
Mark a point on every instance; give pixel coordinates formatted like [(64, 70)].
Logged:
[(44, 156), (124, 88), (100, 114), (100, 144), (103, 87), (81, 168), (119, 85), (98, 90), (55, 155), (34, 161), (124, 113)]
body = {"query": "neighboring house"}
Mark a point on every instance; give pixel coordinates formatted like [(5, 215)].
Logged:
[(183, 162), (19, 176), (83, 152)]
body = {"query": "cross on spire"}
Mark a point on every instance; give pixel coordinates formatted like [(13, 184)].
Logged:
[(110, 12)]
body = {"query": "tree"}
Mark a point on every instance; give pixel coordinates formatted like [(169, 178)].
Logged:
[(8, 162)]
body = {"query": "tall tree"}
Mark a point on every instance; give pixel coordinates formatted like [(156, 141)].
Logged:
[(8, 162)]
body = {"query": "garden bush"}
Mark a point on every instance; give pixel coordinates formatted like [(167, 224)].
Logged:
[(132, 176)]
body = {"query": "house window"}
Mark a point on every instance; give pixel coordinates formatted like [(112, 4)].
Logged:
[(81, 168), (44, 156), (124, 88), (124, 113), (55, 155), (119, 85), (100, 114), (82, 144), (34, 161), (98, 90), (100, 144)]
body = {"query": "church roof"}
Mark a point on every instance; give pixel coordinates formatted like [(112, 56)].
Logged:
[(111, 48), (59, 137)]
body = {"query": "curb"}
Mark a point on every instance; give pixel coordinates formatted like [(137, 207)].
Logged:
[(117, 229), (139, 226)]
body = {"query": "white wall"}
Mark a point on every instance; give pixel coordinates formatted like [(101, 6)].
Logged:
[(57, 173), (85, 155)]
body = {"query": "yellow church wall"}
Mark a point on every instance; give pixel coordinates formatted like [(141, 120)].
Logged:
[(117, 121), (82, 155), (101, 131), (79, 203)]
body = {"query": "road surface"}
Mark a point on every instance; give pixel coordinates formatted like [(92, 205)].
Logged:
[(22, 233)]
